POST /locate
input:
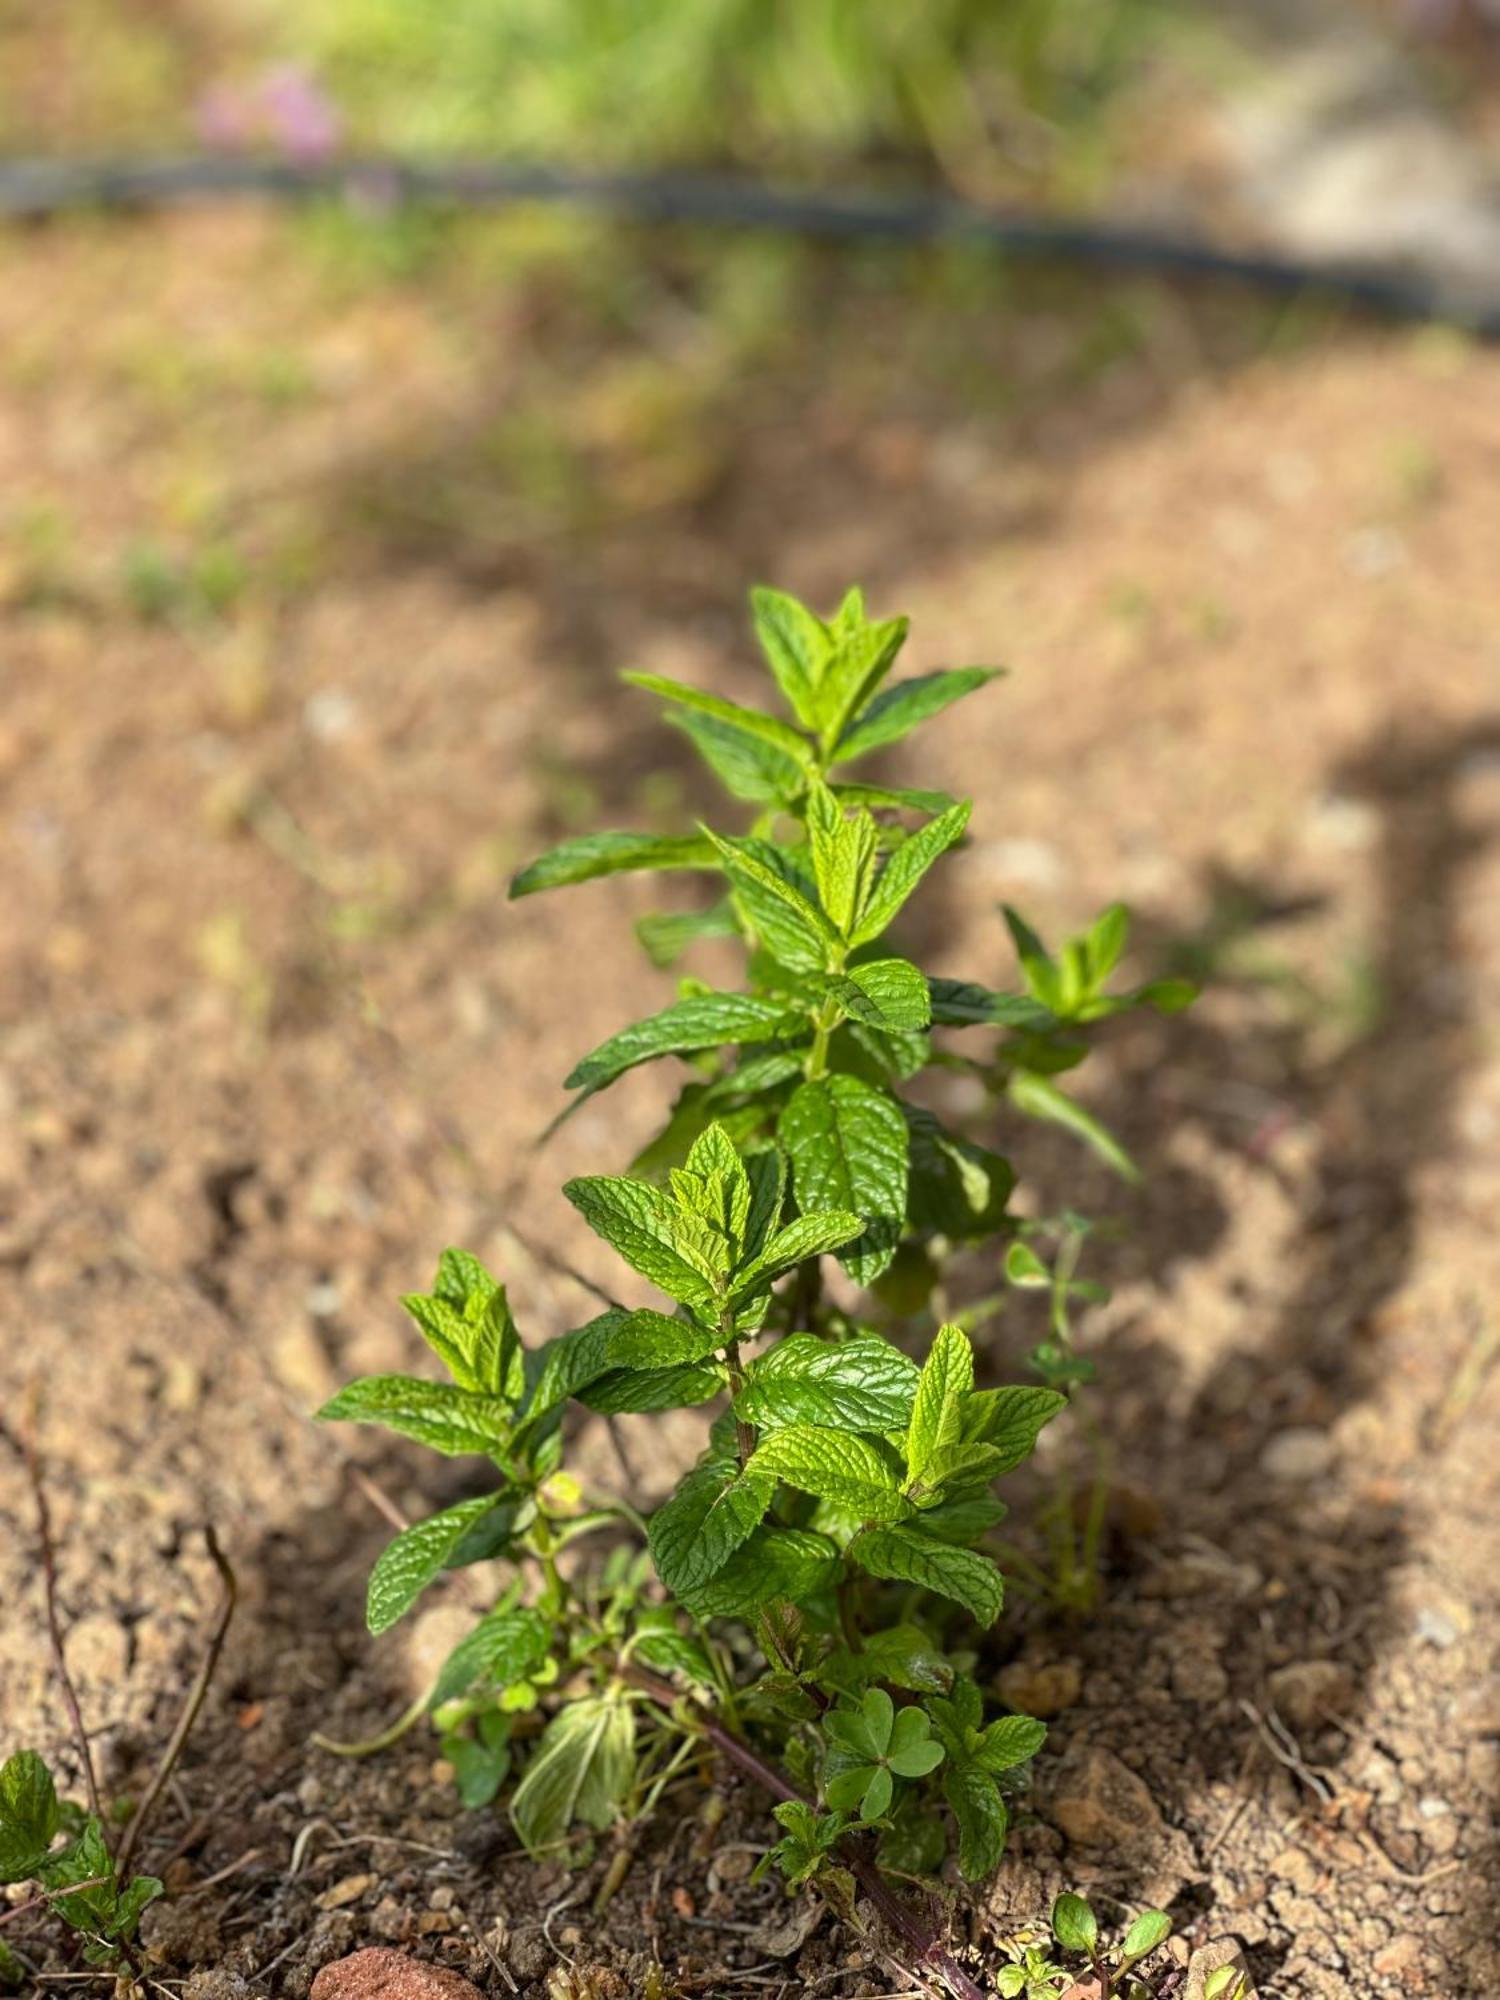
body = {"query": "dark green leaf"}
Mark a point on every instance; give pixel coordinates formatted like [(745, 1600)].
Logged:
[(568, 1363), (864, 1384), (959, 1003), (714, 1510), (644, 1389), (848, 1146), (982, 1819), (958, 1189), (407, 1565), (595, 854), (503, 1647), (775, 1563), (705, 1021), (902, 1555), (650, 1340), (748, 767), (850, 1471), (28, 1815), (885, 992)]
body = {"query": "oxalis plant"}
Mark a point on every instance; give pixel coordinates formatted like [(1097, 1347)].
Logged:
[(821, 1574)]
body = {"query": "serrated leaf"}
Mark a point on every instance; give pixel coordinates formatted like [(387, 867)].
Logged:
[(748, 721), (648, 1339), (467, 1323), (406, 1566), (843, 856), (650, 1232), (641, 1390), (886, 993), (1009, 1420), (1009, 1741), (961, 1003), (963, 1521), (982, 1819), (775, 1563), (903, 1655), (796, 931), (580, 1772), (898, 798), (906, 867), (594, 854), (503, 1647), (796, 644), (1039, 1098), (902, 1555), (806, 1236), (850, 1471), (897, 711), (864, 1384), (848, 1146), (937, 1413), (569, 1362), (749, 768), (1074, 1924), (861, 658), (704, 1021), (666, 936), (28, 1815), (451, 1420), (715, 1509), (660, 1644)]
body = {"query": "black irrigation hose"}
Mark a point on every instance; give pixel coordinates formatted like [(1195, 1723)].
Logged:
[(32, 189)]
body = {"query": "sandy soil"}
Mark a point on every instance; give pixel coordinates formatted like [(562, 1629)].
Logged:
[(270, 1036)]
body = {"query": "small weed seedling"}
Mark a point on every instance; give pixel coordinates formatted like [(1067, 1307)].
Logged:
[(822, 1569), (1076, 1929)]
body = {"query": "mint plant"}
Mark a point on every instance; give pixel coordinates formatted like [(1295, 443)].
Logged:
[(823, 1572), (64, 1850)]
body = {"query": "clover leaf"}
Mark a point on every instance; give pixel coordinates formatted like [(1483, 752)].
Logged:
[(870, 1746)]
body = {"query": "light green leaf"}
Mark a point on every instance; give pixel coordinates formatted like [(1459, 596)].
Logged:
[(503, 1647), (650, 1232), (897, 711), (796, 644), (887, 993), (1149, 1930), (796, 931), (912, 1752), (704, 1021), (843, 856), (595, 854), (581, 1771), (899, 798), (749, 721), (906, 867), (1039, 1098), (28, 1815), (903, 1555), (715, 1509), (848, 1146), (937, 1414), (449, 1419), (806, 1236), (1010, 1420), (406, 1566), (851, 1471), (749, 768), (1009, 1741), (1044, 980), (775, 1562), (860, 660), (864, 1384), (665, 937)]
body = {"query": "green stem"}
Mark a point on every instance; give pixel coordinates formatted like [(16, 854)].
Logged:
[(541, 1541), (744, 1432), (817, 1056)]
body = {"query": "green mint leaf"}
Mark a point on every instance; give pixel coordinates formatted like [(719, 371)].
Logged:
[(906, 867), (864, 1384), (903, 1655), (595, 854), (580, 1772), (420, 1553), (85, 1857), (1009, 1741), (714, 1510), (749, 768), (705, 1021), (650, 1232), (960, 1003), (650, 1340), (848, 1146), (958, 1189), (1074, 1924), (843, 856), (901, 1555), (1010, 1420), (959, 1470), (796, 644), (642, 1390), (661, 1645), (1105, 942), (480, 1767), (467, 1323), (795, 930), (503, 1647), (569, 1362), (807, 1236), (897, 711), (964, 1521), (29, 1815), (775, 1563), (900, 798), (748, 721), (665, 938), (1039, 1098), (850, 1471), (766, 1172), (1167, 996), (131, 1902), (1044, 980), (451, 1420), (886, 993), (982, 1819), (937, 1414), (860, 660)]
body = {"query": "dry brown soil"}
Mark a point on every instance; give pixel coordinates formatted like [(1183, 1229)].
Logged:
[(270, 1036)]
